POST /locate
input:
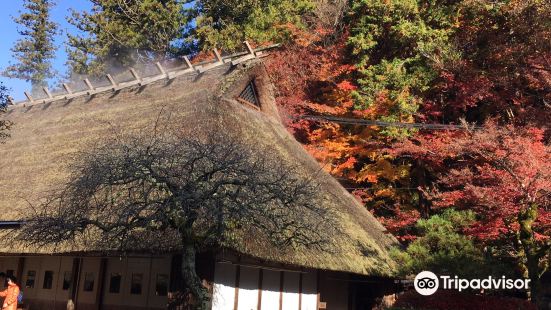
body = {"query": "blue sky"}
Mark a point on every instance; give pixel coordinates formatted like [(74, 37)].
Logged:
[(9, 36)]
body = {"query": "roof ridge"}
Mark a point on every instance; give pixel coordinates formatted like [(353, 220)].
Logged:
[(163, 73)]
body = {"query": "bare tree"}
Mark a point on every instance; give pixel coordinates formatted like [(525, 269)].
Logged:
[(202, 190)]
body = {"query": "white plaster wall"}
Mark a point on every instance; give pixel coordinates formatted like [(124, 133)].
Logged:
[(270, 290), (224, 287), (248, 289), (309, 291), (291, 298), (291, 291)]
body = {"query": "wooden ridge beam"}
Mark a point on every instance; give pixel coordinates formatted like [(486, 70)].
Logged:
[(138, 80)]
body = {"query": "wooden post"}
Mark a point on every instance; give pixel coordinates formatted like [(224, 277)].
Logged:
[(188, 63), (67, 88), (260, 279), (281, 280), (47, 92), (217, 55), (150, 279), (300, 291), (29, 96), (20, 267), (237, 279), (176, 281), (111, 80), (135, 74), (101, 283), (249, 48), (75, 281), (89, 84), (161, 69)]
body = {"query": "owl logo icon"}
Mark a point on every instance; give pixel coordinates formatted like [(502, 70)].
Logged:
[(426, 283)]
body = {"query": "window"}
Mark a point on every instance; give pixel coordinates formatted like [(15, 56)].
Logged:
[(89, 282), (48, 280), (67, 280), (136, 284), (31, 276), (248, 95), (161, 285), (115, 283)]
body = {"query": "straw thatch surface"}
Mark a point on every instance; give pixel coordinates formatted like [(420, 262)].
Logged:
[(44, 137)]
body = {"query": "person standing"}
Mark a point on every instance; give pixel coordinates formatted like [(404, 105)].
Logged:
[(11, 294)]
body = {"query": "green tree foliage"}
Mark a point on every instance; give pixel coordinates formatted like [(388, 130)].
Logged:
[(122, 33), (443, 248), (399, 46), (34, 52), (4, 125), (226, 24)]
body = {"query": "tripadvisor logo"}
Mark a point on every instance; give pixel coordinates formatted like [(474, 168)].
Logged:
[(427, 283)]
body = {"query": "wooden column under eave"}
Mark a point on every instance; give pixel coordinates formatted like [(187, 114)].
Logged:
[(281, 279), (260, 279), (101, 280), (176, 281), (20, 267), (300, 292), (237, 279), (77, 268)]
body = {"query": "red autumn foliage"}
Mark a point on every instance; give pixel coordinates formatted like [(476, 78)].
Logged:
[(495, 171)]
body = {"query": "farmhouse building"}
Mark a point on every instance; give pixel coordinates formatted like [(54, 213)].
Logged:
[(234, 91)]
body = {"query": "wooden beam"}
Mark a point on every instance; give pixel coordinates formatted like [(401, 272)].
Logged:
[(217, 55), (281, 279), (251, 54), (242, 59), (188, 63), (111, 80), (318, 297), (47, 92), (20, 268), (101, 283), (136, 76), (161, 69), (176, 280), (237, 279), (88, 84), (249, 48), (249, 104), (260, 279), (29, 96), (67, 88), (300, 291), (75, 280)]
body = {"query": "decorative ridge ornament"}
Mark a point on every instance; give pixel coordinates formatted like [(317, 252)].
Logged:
[(163, 73)]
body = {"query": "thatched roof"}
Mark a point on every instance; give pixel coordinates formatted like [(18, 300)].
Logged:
[(44, 135)]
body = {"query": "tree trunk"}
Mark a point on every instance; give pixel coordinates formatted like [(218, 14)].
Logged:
[(191, 279), (526, 219)]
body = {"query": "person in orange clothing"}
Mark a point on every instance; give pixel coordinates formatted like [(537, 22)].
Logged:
[(11, 294)]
